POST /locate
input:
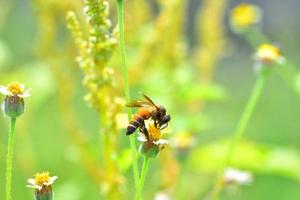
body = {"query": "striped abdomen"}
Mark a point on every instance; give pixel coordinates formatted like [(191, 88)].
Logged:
[(137, 120)]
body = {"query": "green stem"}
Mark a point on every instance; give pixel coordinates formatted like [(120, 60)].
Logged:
[(248, 111), (142, 178), (242, 125), (255, 37), (9, 157), (126, 87)]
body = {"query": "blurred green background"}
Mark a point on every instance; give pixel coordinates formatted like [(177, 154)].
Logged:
[(163, 45)]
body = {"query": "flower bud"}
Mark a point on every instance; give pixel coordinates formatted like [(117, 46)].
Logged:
[(149, 151), (13, 106), (44, 194)]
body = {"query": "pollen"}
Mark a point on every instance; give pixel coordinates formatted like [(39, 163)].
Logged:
[(41, 178), (15, 88), (245, 15), (154, 133), (268, 53)]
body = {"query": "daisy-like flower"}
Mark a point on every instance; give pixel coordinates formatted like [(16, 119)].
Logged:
[(14, 101), (268, 54), (237, 177), (152, 141), (244, 15), (42, 182)]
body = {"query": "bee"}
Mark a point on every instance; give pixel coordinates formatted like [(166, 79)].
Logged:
[(147, 110)]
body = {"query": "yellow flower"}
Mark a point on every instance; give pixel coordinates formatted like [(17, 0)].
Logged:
[(14, 103), (152, 141), (154, 134), (244, 15), (41, 180), (268, 53), (15, 89)]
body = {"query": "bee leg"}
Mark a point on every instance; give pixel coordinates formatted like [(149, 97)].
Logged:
[(164, 126), (144, 130), (155, 124)]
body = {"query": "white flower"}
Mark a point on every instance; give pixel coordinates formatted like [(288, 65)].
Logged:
[(40, 180), (15, 89), (235, 176), (155, 134)]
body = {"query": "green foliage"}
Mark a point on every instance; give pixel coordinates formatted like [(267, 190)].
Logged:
[(258, 158)]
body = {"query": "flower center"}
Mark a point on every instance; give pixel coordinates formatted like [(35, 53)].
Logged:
[(42, 178), (15, 88), (154, 133)]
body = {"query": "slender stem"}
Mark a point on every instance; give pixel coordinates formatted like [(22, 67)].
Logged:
[(126, 87), (242, 125), (9, 157), (142, 178), (247, 113)]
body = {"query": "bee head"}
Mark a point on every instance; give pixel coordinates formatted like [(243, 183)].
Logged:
[(164, 121)]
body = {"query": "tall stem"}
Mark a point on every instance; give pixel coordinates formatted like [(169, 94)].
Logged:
[(10, 146), (126, 86), (244, 120), (142, 179), (242, 125)]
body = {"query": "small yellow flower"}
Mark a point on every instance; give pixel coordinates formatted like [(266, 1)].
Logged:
[(41, 180), (244, 15), (14, 103), (15, 89), (152, 141), (155, 134), (268, 53)]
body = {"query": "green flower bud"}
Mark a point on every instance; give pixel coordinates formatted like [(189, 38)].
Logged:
[(13, 106), (149, 151), (44, 194)]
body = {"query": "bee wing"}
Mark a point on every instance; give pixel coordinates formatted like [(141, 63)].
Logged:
[(150, 101), (139, 104)]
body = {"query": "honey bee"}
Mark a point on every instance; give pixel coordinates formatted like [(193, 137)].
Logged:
[(147, 110)]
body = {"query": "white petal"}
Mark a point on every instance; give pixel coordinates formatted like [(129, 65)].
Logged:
[(142, 138), (22, 86), (25, 94), (4, 91), (161, 141), (33, 186), (31, 181), (52, 179)]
